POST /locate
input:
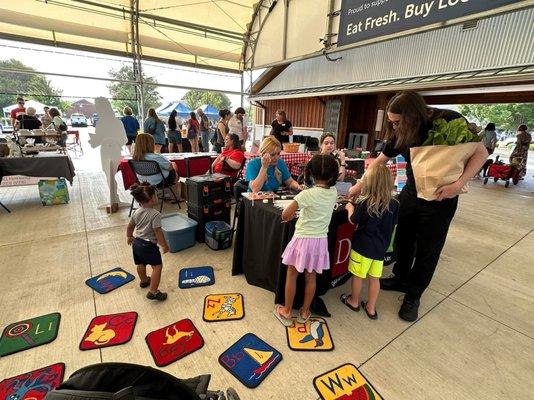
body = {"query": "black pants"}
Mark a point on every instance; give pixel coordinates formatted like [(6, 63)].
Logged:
[(421, 233)]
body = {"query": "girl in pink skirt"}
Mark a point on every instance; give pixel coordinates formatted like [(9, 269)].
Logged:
[(307, 252)]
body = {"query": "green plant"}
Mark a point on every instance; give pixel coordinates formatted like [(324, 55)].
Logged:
[(450, 133)]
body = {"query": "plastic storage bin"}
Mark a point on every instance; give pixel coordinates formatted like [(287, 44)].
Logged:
[(218, 235), (206, 189), (179, 231)]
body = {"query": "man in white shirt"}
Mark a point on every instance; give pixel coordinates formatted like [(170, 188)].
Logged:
[(237, 125)]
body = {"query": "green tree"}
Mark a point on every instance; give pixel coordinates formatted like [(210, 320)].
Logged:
[(31, 86), (505, 116), (196, 98), (125, 92)]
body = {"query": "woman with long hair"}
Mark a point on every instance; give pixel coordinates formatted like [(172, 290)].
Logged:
[(154, 126), (145, 150), (327, 144), (519, 155), (175, 136), (222, 129), (193, 130), (423, 225)]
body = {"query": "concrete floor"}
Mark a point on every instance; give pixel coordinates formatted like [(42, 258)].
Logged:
[(474, 339)]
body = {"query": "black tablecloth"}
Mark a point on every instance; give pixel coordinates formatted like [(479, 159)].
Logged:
[(41, 165), (259, 256)]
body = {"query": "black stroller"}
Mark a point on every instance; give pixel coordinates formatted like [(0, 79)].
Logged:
[(119, 381)]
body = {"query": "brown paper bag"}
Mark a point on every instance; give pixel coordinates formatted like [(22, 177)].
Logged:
[(437, 166)]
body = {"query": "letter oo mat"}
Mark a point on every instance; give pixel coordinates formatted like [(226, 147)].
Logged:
[(344, 382)]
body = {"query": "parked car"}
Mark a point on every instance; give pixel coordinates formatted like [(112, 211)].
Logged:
[(95, 118), (78, 120)]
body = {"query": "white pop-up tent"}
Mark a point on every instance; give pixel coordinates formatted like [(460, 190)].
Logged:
[(29, 103)]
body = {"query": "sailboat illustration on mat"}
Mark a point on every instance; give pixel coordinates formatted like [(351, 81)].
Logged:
[(263, 358)]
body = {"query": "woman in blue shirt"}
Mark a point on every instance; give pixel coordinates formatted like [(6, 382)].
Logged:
[(269, 172), (144, 150), (156, 128), (131, 126)]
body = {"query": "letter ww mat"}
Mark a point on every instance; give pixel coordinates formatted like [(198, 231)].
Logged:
[(109, 280), (172, 342), (250, 360), (29, 333), (314, 335), (33, 385), (344, 382), (109, 330), (223, 307)]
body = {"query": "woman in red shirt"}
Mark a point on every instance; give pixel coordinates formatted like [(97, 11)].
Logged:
[(229, 162), (193, 129)]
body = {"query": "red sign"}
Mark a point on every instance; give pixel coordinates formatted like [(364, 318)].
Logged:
[(342, 251)]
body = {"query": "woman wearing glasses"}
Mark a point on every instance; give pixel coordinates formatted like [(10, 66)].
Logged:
[(423, 225), (269, 172)]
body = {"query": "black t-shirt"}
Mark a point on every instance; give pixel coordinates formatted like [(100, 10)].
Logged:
[(29, 122), (278, 128), (390, 150), (372, 234)]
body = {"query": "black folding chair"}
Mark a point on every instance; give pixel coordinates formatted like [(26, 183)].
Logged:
[(149, 168), (241, 186), (1, 176)]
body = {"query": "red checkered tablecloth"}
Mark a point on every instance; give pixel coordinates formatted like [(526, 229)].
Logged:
[(292, 160), (295, 161)]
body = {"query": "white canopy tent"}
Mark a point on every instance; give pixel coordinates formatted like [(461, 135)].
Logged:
[(29, 103)]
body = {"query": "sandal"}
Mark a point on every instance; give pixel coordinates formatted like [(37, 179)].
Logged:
[(301, 319), (283, 320), (145, 284), (371, 316), (160, 296), (345, 300)]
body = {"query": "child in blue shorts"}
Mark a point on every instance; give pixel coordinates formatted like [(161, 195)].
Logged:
[(375, 217), (148, 234)]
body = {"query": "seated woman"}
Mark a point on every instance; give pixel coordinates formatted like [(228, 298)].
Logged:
[(327, 144), (269, 172), (144, 150), (30, 121), (230, 160)]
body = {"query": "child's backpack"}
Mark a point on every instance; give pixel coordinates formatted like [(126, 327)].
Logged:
[(128, 382)]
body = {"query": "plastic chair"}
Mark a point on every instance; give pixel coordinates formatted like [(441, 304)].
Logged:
[(240, 187), (1, 176), (149, 168)]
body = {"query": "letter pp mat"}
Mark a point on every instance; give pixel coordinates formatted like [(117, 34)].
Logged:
[(109, 330), (314, 335), (344, 382), (172, 342), (250, 360), (34, 384), (196, 276), (223, 307), (109, 280), (29, 333)]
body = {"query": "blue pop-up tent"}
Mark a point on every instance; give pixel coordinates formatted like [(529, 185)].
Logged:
[(182, 110), (210, 111)]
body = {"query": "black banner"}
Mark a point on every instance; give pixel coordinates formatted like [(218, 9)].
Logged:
[(362, 20)]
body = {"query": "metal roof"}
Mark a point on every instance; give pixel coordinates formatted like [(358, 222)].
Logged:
[(197, 33)]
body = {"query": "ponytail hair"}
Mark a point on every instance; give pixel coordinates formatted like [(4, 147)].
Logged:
[(142, 192)]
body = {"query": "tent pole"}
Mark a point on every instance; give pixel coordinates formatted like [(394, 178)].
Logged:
[(136, 55)]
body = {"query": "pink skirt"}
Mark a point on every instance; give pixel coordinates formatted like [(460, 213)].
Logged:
[(307, 254)]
